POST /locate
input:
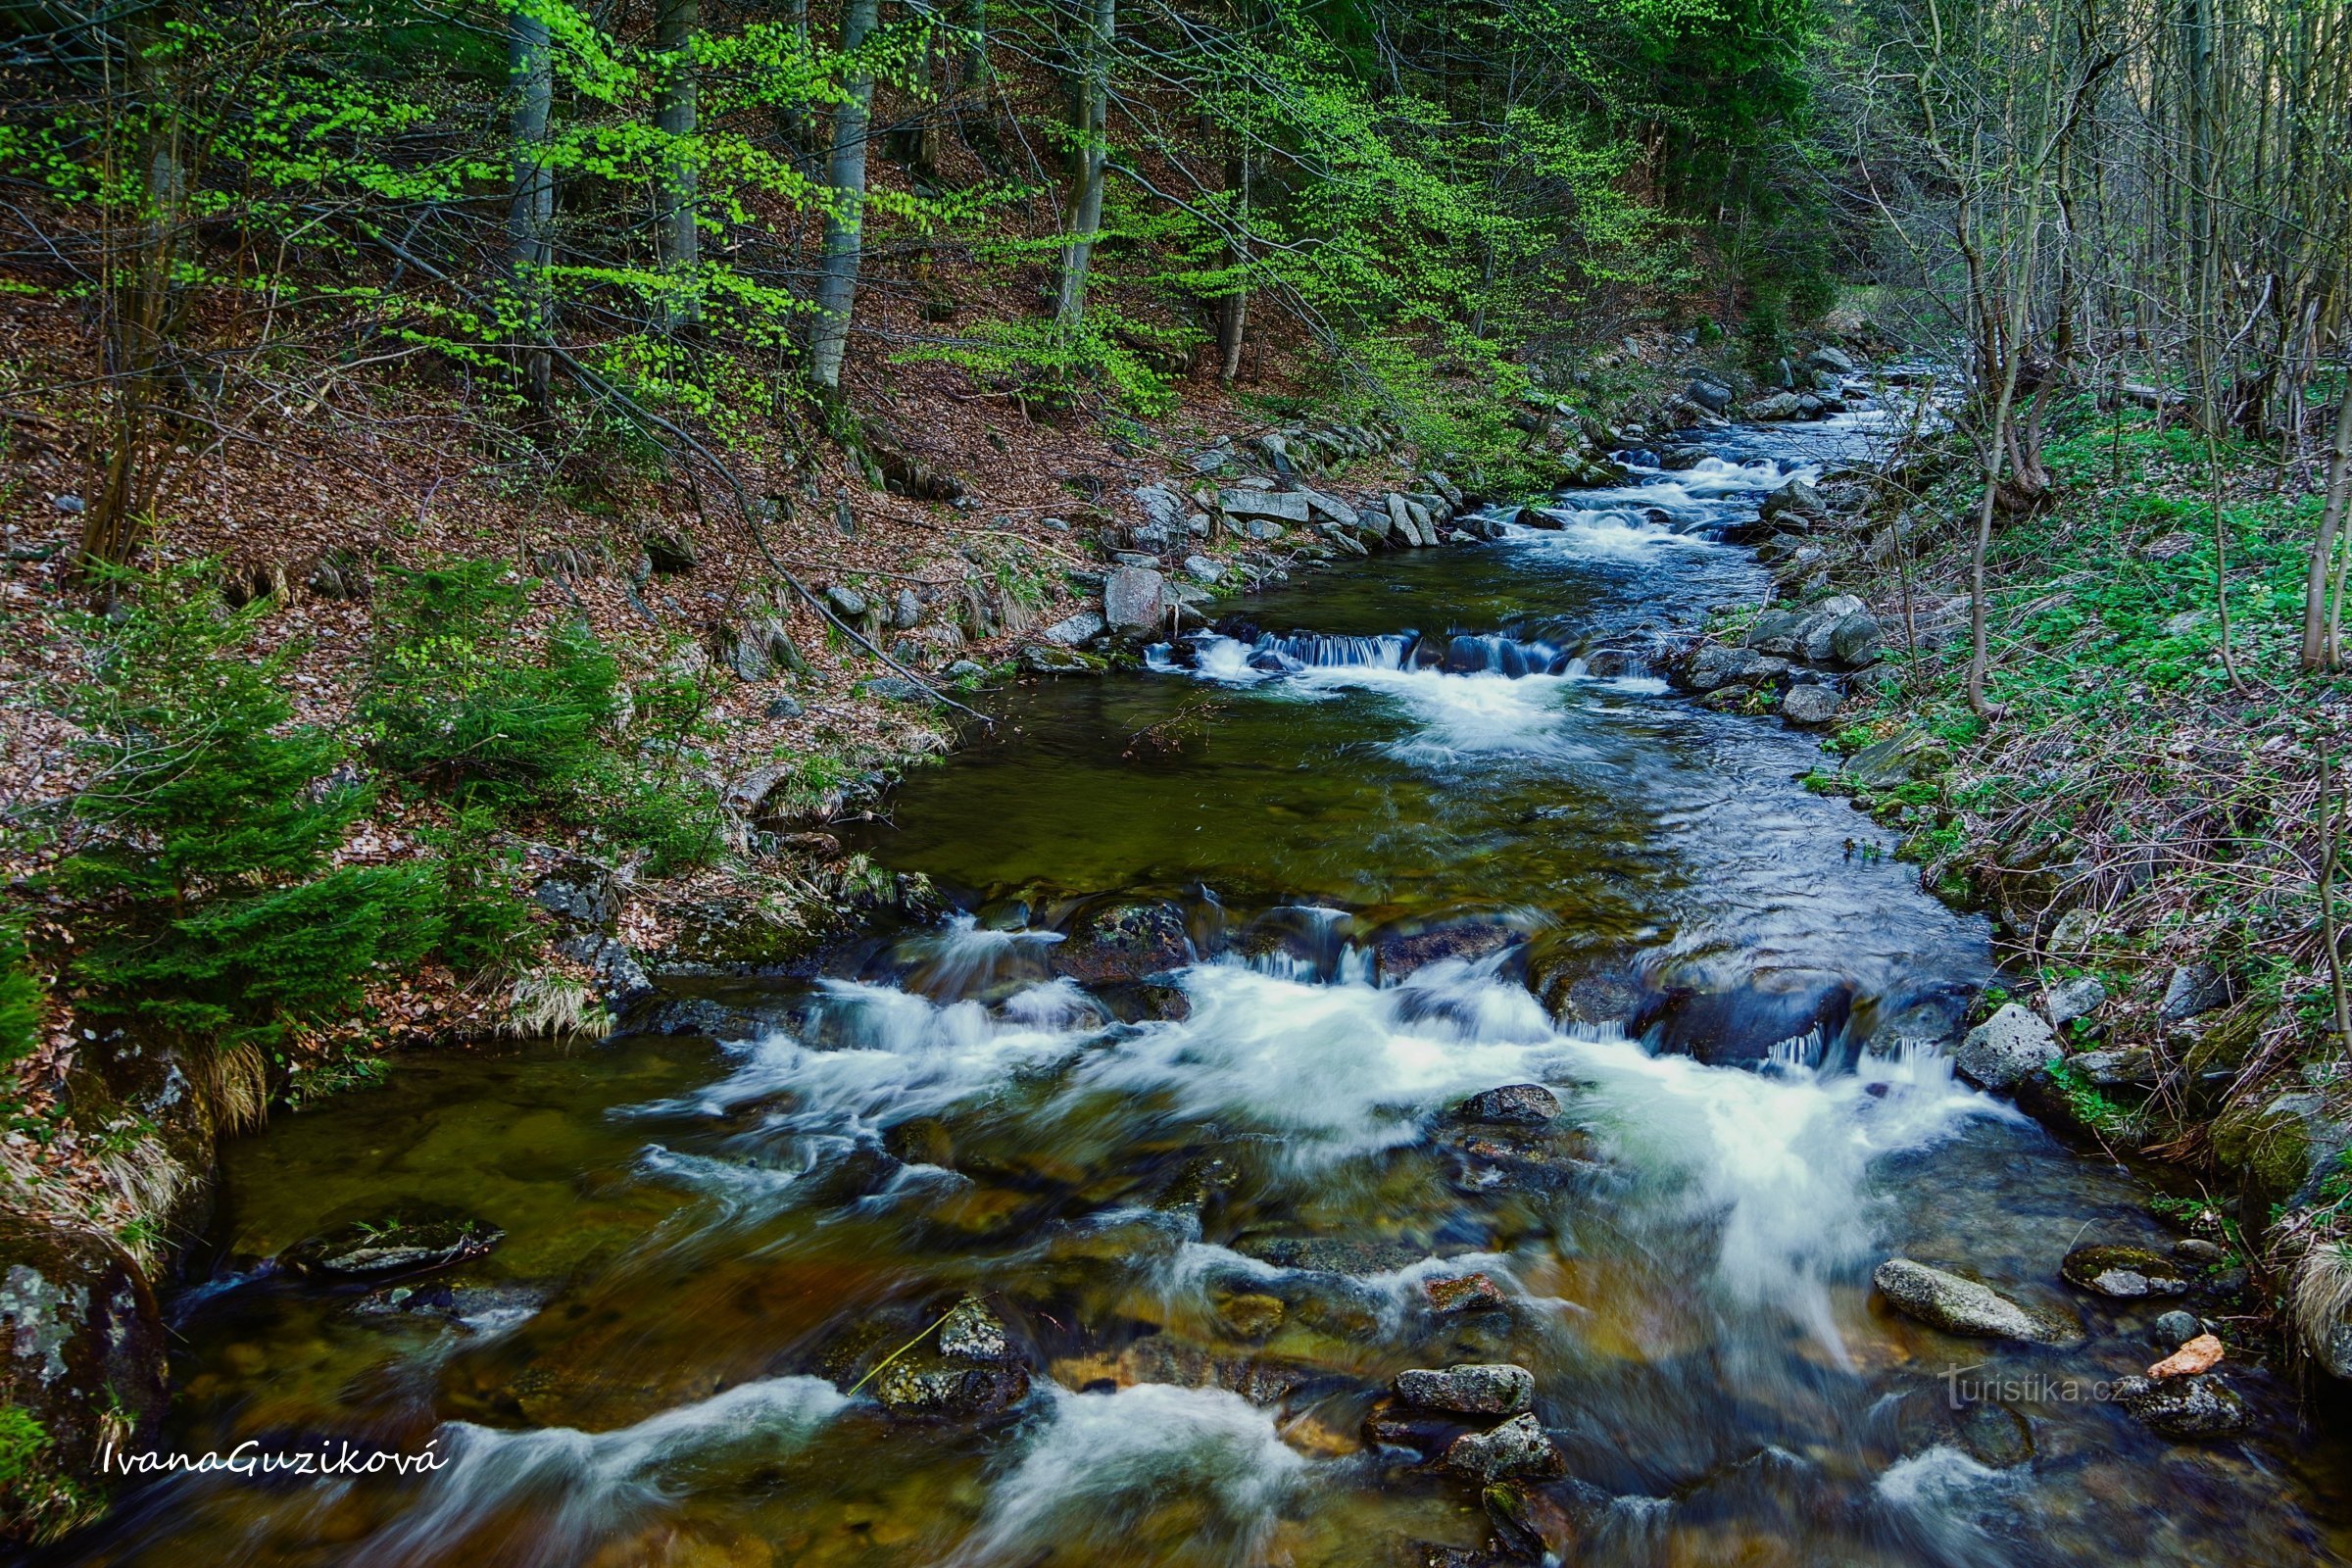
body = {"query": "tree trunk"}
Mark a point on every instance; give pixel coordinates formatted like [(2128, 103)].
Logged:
[(531, 216), (140, 298), (2319, 653), (837, 270), (1090, 120), (1233, 311), (676, 239)]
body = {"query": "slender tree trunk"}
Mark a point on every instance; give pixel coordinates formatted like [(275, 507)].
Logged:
[(1233, 311), (1091, 120), (2319, 652), (676, 237), (844, 249), (141, 298), (531, 214)]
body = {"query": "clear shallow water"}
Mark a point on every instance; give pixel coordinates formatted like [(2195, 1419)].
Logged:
[(1234, 939)]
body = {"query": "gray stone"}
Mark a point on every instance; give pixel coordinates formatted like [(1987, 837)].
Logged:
[(897, 689), (1056, 660), (1717, 664), (1279, 505), (1075, 629), (845, 602), (671, 552), (1263, 531), (1794, 504), (2124, 1067), (2193, 989), (1963, 1307), (2125, 1273), (71, 506), (1775, 631), (1517, 1447), (964, 669), (2070, 1000), (2202, 1406), (1164, 507), (1912, 754), (906, 610), (1202, 568), (785, 708), (1816, 634), (1810, 703), (583, 894), (1492, 1388), (1836, 361), (1530, 1103), (2001, 1051), (1135, 599), (1708, 396), (1779, 406), (2171, 1330), (1856, 639)]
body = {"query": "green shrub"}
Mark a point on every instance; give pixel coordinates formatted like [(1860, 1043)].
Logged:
[(203, 845), (458, 700), (21, 1002)]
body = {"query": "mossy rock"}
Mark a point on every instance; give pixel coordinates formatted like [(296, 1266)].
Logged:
[(399, 1239), (85, 1361), (2123, 1272), (2282, 1148)]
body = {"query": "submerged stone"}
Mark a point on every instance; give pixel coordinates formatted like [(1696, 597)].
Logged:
[(2127, 1272), (2186, 1406), (408, 1240), (1960, 1306)]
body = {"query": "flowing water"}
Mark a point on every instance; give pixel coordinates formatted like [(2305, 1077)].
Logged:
[(1169, 1095)]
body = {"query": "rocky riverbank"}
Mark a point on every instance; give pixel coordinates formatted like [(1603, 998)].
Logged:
[(2153, 1005)]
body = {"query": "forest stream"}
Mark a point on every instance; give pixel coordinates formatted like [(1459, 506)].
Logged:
[(1094, 1224)]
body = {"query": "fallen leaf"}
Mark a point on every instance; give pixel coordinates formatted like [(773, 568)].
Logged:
[(2197, 1355)]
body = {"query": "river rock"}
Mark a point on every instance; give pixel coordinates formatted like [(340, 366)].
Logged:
[(1202, 570), (1517, 1447), (1999, 1052), (1709, 396), (1134, 600), (1479, 1389), (1856, 639), (2176, 1327), (2124, 1067), (83, 1353), (1881, 765), (1463, 1293), (1273, 506), (2126, 1272), (410, 1239), (1072, 630), (1718, 664), (1833, 359), (1162, 506), (2192, 990), (1795, 505), (2184, 1407), (1994, 1436), (1810, 703), (1774, 632), (1779, 406), (1963, 1307), (970, 1369), (1530, 1103), (2071, 999)]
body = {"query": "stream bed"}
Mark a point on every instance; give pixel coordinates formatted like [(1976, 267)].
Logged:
[(1091, 1226)]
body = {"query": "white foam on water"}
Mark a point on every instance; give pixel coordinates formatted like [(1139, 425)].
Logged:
[(580, 1486), (1778, 1160), (1458, 714), (1611, 532), (1148, 1474)]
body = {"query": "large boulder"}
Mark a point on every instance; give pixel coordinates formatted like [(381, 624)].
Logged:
[(1135, 599), (2192, 990), (1856, 639), (1775, 631), (1071, 630), (1709, 396), (1963, 1307), (1719, 665), (1779, 406), (1835, 360), (82, 1357), (2001, 1051), (1795, 505), (1881, 765), (1527, 1104), (1277, 506)]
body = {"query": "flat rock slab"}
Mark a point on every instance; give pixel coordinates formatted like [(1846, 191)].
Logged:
[(1963, 1307)]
